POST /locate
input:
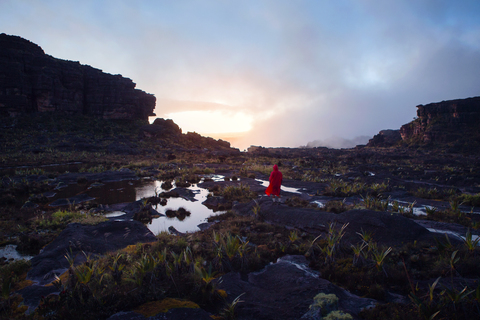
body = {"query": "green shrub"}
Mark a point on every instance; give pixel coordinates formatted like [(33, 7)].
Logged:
[(240, 193), (338, 315)]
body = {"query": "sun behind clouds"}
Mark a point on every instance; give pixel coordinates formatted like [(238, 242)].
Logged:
[(212, 122)]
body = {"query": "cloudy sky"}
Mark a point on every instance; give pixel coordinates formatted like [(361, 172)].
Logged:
[(270, 73)]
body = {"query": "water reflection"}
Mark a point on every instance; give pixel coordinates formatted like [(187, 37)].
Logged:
[(455, 234), (109, 193), (104, 193), (199, 212), (10, 252)]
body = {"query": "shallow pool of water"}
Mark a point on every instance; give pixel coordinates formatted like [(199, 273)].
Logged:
[(104, 193), (420, 210), (455, 234), (198, 213), (10, 252)]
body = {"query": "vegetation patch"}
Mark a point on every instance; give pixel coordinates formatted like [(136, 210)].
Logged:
[(152, 308), (59, 219)]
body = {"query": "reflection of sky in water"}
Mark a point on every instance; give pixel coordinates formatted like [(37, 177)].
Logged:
[(10, 251), (199, 212), (283, 188), (448, 232), (319, 203), (218, 177), (114, 214), (148, 189), (422, 210)]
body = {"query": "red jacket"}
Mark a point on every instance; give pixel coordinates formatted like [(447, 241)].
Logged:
[(276, 178)]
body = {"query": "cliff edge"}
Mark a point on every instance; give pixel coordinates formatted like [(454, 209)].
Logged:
[(32, 81), (452, 123), (444, 122)]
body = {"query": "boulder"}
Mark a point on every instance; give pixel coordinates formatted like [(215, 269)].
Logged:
[(78, 240), (284, 290), (385, 138), (217, 203)]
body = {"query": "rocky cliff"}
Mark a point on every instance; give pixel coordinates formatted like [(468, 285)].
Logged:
[(453, 123), (444, 122), (31, 81)]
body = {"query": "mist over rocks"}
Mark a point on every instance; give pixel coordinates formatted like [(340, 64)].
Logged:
[(32, 81), (338, 142)]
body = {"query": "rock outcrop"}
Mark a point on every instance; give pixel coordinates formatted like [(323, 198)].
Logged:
[(32, 81), (284, 290), (453, 122), (81, 241), (445, 121), (385, 138)]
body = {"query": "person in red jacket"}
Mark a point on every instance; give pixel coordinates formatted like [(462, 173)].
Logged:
[(273, 188)]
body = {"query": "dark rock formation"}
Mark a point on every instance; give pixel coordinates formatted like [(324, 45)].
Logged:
[(31, 81), (217, 203), (387, 229), (161, 128), (284, 290), (445, 121), (172, 314), (452, 122), (385, 138), (80, 240)]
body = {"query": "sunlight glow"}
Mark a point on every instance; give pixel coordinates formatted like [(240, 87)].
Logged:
[(205, 122)]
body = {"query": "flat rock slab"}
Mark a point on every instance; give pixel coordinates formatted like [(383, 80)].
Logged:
[(387, 228), (284, 290), (77, 238)]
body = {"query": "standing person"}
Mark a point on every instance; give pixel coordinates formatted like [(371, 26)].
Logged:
[(273, 188)]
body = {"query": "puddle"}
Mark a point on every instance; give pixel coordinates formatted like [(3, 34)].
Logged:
[(417, 211), (319, 203), (132, 190), (114, 214), (283, 188), (456, 235), (10, 252), (422, 209), (108, 192), (218, 177), (199, 213)]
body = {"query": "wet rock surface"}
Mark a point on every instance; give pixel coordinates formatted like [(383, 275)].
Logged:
[(386, 228), (284, 290), (78, 239)]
